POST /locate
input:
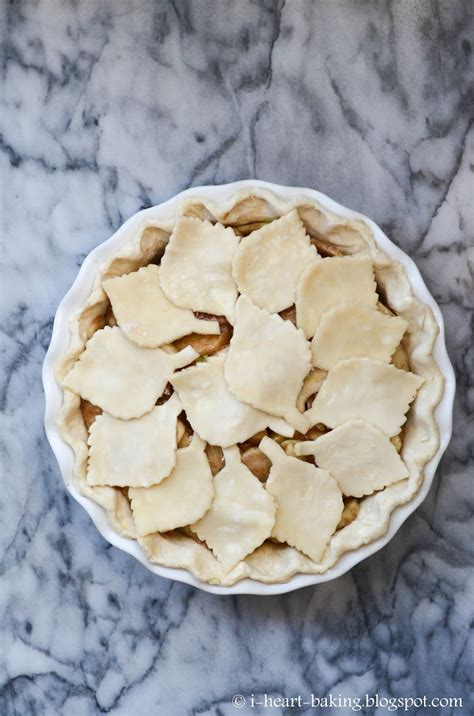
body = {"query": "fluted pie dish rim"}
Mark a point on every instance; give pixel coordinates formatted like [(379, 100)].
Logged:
[(227, 196)]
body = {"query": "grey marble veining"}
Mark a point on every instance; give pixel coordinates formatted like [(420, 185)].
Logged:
[(111, 106)]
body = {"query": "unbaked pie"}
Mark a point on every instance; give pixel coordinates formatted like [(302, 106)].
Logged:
[(250, 388)]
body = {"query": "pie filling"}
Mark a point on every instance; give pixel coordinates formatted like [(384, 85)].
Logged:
[(247, 389)]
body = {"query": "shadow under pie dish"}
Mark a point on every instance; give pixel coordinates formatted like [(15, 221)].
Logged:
[(250, 388)]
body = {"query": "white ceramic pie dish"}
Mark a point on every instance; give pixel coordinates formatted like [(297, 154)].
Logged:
[(76, 297)]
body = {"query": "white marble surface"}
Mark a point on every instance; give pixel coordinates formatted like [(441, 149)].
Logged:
[(111, 106)]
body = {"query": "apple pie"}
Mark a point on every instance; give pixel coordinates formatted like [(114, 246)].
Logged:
[(250, 388)]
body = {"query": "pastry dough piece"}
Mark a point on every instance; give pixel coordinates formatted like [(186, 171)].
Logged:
[(144, 313), (309, 501), (196, 269), (326, 283), (359, 456), (214, 412), (267, 361), (367, 389), (120, 377), (353, 330), (136, 453), (241, 516), (183, 498), (269, 262)]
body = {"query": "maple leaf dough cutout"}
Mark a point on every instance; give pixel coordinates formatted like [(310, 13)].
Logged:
[(353, 330), (309, 501), (214, 412), (267, 361), (367, 389), (241, 516), (145, 314), (268, 262), (359, 456), (138, 452), (330, 281), (179, 500), (196, 269), (120, 377)]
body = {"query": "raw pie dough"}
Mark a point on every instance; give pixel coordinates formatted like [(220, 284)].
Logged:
[(138, 452), (120, 377), (241, 515), (358, 455), (217, 415), (269, 262), (309, 501), (195, 273), (353, 330), (326, 283), (368, 389), (197, 253), (267, 361), (180, 499), (144, 313)]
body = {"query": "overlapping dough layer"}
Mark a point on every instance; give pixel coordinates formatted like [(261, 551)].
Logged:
[(358, 455), (180, 499), (267, 361), (241, 516), (144, 313), (367, 389), (329, 282), (309, 501), (196, 269), (268, 262), (354, 330), (120, 377), (139, 452), (217, 415)]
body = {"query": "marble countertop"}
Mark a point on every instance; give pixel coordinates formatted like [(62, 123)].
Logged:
[(113, 106)]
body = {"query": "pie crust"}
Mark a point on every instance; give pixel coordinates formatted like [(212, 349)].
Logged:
[(144, 313), (241, 516), (348, 240), (134, 453), (268, 263), (180, 499), (354, 330), (309, 501), (267, 362), (197, 250), (358, 455), (215, 413), (368, 389), (327, 283), (120, 377)]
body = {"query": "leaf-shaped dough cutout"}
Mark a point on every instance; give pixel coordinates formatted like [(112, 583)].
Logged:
[(353, 330), (267, 361), (196, 269), (309, 501), (145, 314), (181, 499), (330, 281), (268, 262), (139, 452), (367, 389), (241, 516), (120, 377), (358, 455)]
